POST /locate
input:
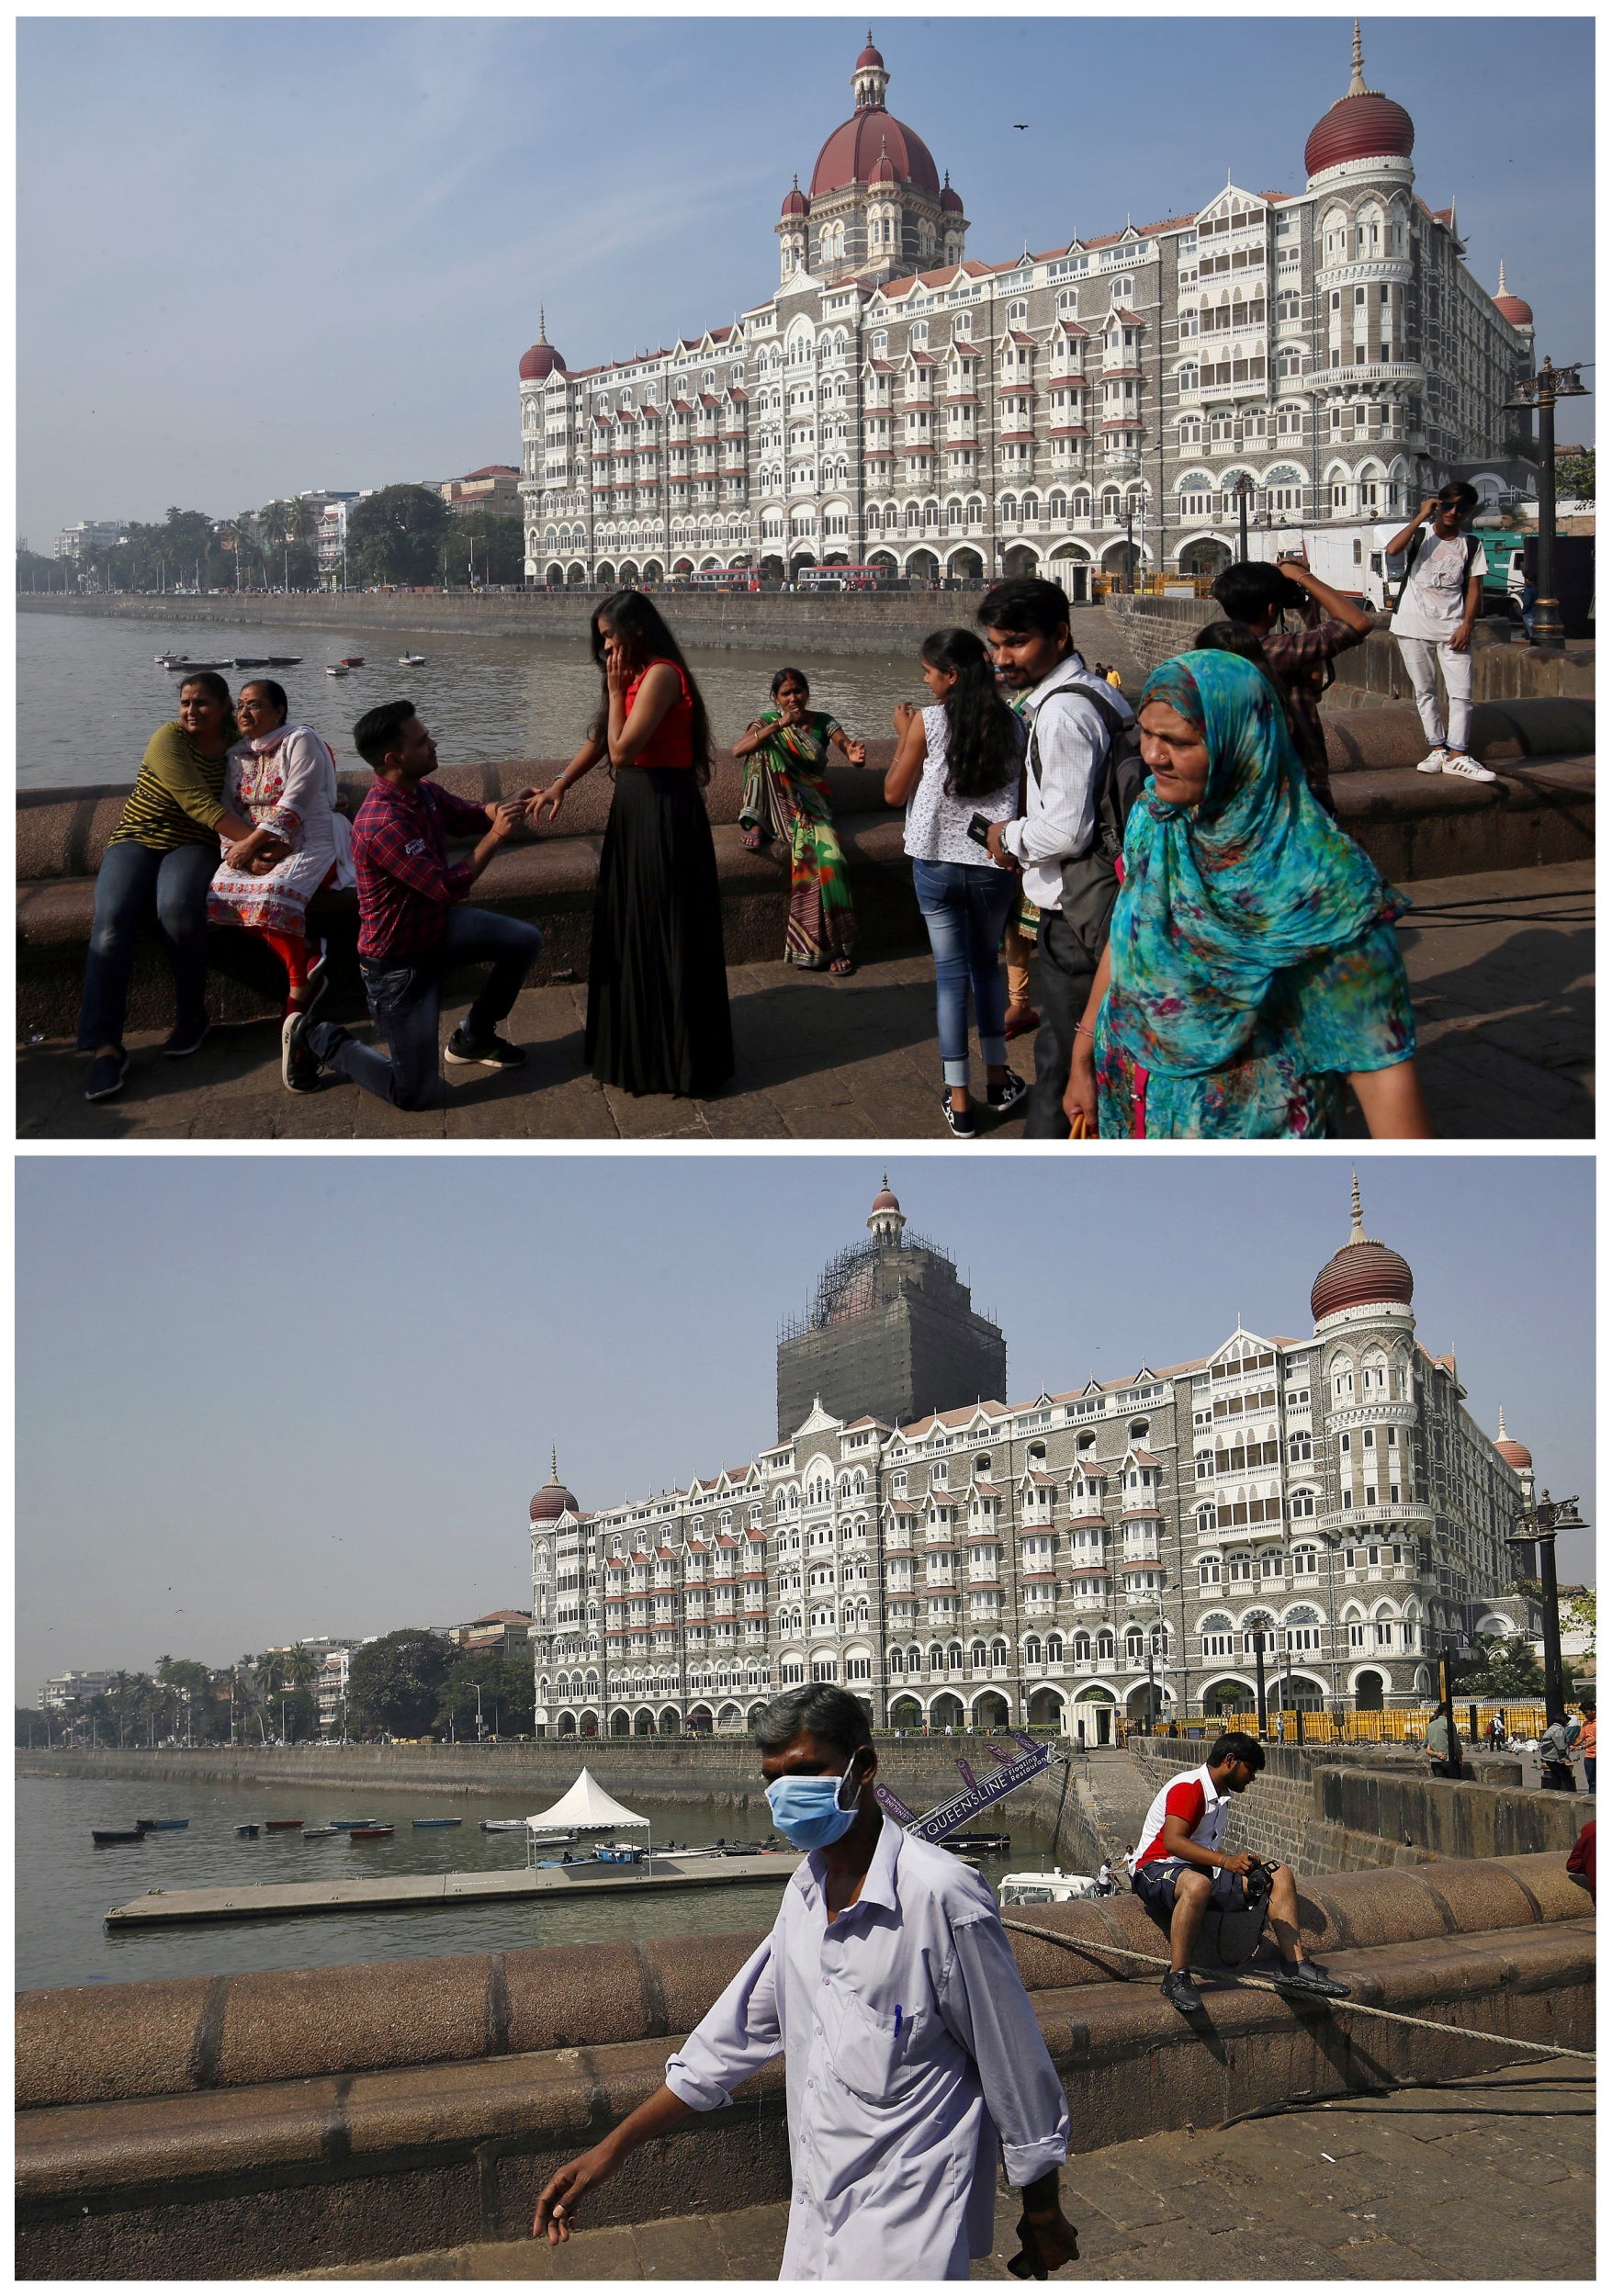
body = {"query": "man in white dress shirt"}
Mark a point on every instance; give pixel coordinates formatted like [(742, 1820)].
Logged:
[(911, 2049), (1026, 623)]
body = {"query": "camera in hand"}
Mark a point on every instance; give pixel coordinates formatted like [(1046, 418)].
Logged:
[(979, 829)]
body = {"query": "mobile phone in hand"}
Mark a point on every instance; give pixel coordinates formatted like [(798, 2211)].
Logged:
[(979, 829)]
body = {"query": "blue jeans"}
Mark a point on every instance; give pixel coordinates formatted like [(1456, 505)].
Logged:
[(130, 881), (964, 909), (1589, 1774), (405, 1003)]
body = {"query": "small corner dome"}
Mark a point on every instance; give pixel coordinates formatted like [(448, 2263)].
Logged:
[(553, 1500), (1511, 307), (540, 362), (794, 200), (870, 56), (950, 204)]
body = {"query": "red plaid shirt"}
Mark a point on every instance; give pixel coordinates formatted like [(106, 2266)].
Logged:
[(1296, 660), (406, 884)]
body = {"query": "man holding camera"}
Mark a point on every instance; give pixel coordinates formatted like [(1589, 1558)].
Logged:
[(1068, 872), (1255, 595), (1180, 1871)]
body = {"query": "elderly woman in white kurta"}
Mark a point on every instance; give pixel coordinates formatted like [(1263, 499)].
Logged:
[(911, 2050), (282, 778)]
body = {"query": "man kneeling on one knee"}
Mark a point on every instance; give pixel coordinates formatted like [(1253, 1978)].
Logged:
[(413, 926), (1180, 1871)]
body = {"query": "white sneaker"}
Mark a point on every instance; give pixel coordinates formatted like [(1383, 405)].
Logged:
[(1458, 761), (1433, 762)]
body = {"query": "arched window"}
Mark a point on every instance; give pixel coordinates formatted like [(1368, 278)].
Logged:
[(1056, 1650), (1080, 1649)]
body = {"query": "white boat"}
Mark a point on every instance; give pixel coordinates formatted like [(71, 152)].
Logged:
[(504, 1825), (411, 661), (337, 670), (1046, 1889)]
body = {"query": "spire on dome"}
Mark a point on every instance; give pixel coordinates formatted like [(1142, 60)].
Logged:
[(1357, 1228), (1501, 288), (1357, 86), (1501, 1435)]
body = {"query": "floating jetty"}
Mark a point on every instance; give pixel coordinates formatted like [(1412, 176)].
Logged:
[(165, 1909)]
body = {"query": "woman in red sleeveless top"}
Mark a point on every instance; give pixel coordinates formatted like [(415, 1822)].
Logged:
[(658, 1019)]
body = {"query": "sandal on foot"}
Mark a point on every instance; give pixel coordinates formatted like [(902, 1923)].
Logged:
[(1028, 1018), (750, 840)]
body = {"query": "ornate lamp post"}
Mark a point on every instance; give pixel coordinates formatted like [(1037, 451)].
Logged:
[(1538, 395), (1538, 1528)]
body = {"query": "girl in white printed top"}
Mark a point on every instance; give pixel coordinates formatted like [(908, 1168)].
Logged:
[(958, 766)]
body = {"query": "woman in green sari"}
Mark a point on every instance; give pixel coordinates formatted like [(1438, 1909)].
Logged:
[(786, 796)]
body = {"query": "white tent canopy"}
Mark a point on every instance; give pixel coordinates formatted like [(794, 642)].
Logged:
[(585, 1807)]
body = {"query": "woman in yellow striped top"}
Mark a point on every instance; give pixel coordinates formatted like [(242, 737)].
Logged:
[(162, 854)]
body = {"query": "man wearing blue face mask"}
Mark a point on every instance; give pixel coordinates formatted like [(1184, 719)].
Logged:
[(911, 2049)]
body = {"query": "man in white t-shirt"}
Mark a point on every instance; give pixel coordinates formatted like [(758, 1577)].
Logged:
[(1438, 603), (1179, 1870)]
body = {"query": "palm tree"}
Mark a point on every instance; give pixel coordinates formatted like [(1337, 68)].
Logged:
[(299, 527)]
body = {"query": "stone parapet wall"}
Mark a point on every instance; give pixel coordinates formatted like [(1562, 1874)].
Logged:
[(261, 2125)]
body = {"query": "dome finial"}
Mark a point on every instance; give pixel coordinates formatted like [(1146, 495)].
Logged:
[(1501, 288), (1501, 1437), (1357, 77), (1357, 1231), (542, 324)]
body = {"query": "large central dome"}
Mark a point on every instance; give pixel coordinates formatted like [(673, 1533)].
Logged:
[(1364, 1274), (872, 133), (1362, 125)]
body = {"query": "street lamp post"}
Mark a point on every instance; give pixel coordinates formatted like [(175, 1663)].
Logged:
[(477, 1688), (1243, 487), (1541, 1524), (1538, 395)]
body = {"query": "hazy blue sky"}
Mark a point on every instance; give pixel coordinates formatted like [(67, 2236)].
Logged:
[(259, 255), (263, 1396)]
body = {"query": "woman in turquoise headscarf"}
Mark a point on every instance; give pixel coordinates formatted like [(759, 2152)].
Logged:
[(1252, 965)]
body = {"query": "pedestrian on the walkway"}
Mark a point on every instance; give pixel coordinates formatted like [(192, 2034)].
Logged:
[(1443, 1748), (1586, 1742), (956, 769), (282, 777), (657, 1016), (785, 795), (1438, 603), (1256, 596), (1581, 1858), (911, 2047), (1557, 1743), (414, 926), (158, 864), (1060, 841), (1252, 965)]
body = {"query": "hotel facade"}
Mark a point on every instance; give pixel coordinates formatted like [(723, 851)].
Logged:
[(898, 402), (1055, 1562)]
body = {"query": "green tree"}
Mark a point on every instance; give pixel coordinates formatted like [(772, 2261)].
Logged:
[(508, 1699), (1499, 1667), (33, 1728), (494, 547), (1576, 475), (395, 1683), (395, 535)]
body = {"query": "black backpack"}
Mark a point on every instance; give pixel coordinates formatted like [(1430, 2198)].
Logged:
[(1119, 782)]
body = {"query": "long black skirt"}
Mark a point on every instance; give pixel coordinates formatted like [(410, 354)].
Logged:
[(657, 1018)]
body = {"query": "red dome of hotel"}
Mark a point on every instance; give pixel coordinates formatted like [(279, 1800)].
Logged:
[(795, 201), (1512, 307), (1363, 1275), (1362, 125), (886, 1198), (542, 360), (949, 199), (553, 1500), (854, 149), (1514, 1454)]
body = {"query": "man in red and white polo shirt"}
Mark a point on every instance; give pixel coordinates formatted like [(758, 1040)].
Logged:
[(1179, 1870)]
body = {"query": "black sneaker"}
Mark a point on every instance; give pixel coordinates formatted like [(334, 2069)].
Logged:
[(1304, 1977), (960, 1120), (188, 1037), (300, 1069), (294, 1053), (105, 1079), (1181, 1993), (496, 1052), (1007, 1095)]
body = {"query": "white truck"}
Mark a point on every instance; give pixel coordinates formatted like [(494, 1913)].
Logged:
[(1352, 559)]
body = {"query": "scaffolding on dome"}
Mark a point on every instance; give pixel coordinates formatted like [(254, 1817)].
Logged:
[(849, 1284)]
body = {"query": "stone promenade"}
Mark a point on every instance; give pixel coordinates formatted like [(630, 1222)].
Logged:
[(1501, 970), (1488, 2179)]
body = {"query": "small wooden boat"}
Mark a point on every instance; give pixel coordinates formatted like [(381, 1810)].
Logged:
[(507, 1825), (190, 667), (104, 1836), (979, 1845), (252, 661), (352, 662), (319, 1833), (281, 661), (337, 670), (161, 1825), (370, 1833), (247, 1833), (345, 1825), (422, 1825), (411, 661), (282, 1825)]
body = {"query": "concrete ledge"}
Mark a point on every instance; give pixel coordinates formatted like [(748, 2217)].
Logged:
[(289, 2176), (108, 2043)]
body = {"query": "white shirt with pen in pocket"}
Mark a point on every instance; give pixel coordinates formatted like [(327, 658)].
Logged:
[(910, 2048)]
